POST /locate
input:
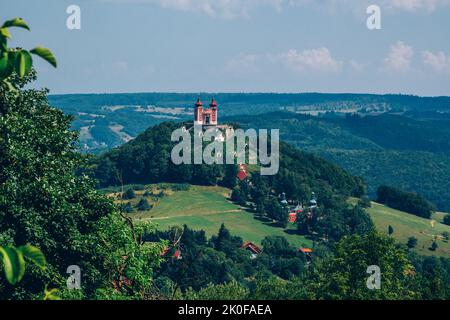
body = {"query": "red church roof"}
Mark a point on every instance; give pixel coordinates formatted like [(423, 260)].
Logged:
[(199, 103), (213, 103)]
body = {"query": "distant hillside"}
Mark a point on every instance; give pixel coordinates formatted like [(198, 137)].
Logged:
[(109, 120), (385, 150), (406, 225)]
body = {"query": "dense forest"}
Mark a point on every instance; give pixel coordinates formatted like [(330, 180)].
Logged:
[(387, 149)]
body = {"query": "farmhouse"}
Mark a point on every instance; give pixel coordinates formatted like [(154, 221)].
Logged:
[(253, 248)]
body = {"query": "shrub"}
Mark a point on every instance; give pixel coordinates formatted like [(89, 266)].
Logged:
[(143, 205), (412, 242), (364, 202), (129, 194), (447, 219), (128, 208), (434, 246)]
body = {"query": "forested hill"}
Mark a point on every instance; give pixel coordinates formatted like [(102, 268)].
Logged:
[(108, 120), (146, 159), (403, 151)]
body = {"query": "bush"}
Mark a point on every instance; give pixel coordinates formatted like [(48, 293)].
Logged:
[(412, 242), (434, 246), (128, 208), (364, 202), (390, 230), (143, 205), (447, 220), (129, 194)]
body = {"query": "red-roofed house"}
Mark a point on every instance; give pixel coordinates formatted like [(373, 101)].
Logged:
[(253, 248)]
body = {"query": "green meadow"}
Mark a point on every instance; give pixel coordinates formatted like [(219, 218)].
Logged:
[(206, 208), (407, 225)]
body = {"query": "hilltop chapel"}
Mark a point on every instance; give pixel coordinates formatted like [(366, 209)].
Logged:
[(205, 116)]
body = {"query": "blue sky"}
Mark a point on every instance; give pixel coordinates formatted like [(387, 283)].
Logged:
[(240, 45)]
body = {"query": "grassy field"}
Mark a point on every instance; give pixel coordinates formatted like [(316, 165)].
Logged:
[(439, 216), (406, 225), (206, 208)]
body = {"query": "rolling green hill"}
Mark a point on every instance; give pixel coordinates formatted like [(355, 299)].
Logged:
[(407, 225), (206, 208)]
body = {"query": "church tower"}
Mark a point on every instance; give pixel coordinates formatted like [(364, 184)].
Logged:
[(213, 106), (198, 113)]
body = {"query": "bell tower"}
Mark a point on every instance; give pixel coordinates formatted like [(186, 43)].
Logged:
[(198, 113), (213, 106)]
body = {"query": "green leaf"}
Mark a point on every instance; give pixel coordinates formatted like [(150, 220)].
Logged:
[(13, 264), (16, 22), (4, 66), (45, 54), (5, 33), (10, 88), (51, 294), (23, 63), (34, 254)]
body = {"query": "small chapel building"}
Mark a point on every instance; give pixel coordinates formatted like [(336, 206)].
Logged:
[(205, 116)]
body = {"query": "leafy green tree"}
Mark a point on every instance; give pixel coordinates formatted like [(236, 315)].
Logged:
[(143, 205), (276, 212), (129, 194), (412, 242), (405, 201), (127, 208), (390, 230), (238, 196), (45, 202), (232, 290), (434, 246), (344, 275), (447, 219), (364, 202)]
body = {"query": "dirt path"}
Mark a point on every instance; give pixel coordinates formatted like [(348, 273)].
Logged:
[(191, 215)]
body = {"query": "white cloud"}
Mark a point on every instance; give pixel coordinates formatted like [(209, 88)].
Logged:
[(360, 5), (356, 66), (399, 58), (439, 61), (242, 62), (243, 8), (228, 9), (314, 59), (417, 5)]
